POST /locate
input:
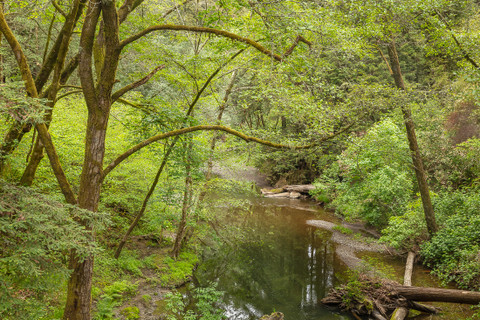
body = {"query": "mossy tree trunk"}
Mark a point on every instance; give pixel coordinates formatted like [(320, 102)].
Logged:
[(413, 144)]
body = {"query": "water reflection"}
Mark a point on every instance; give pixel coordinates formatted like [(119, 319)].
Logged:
[(277, 263)]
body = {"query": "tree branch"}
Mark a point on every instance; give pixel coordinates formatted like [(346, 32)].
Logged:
[(241, 135), (295, 43), (465, 54), (85, 60), (59, 9), (217, 32), (68, 94), (384, 59), (63, 38), (174, 8), (136, 84), (143, 108), (205, 85)]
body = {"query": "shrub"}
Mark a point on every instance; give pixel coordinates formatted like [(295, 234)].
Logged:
[(37, 233), (375, 176)]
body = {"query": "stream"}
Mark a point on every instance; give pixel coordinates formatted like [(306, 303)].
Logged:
[(273, 261), (281, 264)]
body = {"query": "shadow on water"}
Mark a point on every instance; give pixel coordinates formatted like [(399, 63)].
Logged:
[(273, 262)]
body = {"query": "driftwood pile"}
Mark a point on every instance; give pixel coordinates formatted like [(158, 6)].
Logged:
[(382, 299)]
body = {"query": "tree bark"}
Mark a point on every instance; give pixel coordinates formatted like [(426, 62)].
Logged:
[(413, 144), (402, 312), (439, 295), (187, 199)]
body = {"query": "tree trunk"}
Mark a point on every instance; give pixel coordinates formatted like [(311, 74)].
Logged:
[(55, 61), (402, 312), (11, 141), (37, 154), (439, 295), (80, 283), (219, 120), (78, 303), (98, 100), (187, 197), (412, 142)]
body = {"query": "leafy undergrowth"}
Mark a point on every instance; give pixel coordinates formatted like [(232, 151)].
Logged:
[(125, 288)]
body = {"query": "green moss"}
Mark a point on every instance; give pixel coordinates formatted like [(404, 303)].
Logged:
[(342, 229), (131, 313), (174, 272)]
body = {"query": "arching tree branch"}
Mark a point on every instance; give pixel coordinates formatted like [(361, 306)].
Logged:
[(136, 84), (241, 135), (217, 32)]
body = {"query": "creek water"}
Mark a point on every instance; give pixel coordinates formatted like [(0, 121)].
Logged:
[(273, 261)]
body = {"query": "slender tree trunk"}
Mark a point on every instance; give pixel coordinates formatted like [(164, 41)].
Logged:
[(412, 142), (219, 121), (98, 100), (11, 139), (187, 198), (145, 201), (36, 156)]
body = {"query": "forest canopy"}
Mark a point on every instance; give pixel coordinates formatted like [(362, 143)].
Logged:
[(114, 113)]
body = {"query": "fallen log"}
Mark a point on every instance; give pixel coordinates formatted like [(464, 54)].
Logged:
[(402, 312), (437, 294), (300, 188), (371, 297)]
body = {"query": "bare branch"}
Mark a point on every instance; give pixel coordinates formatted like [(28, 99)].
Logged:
[(136, 84), (241, 135), (295, 43), (465, 54), (144, 108), (217, 32), (385, 60), (205, 85), (174, 8), (85, 60), (58, 8), (68, 94), (127, 7)]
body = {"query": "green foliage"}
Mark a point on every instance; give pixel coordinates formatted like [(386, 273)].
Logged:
[(174, 272), (454, 251), (38, 233), (131, 313), (354, 290), (376, 180), (407, 231), (112, 297), (343, 229), (18, 106), (205, 307)]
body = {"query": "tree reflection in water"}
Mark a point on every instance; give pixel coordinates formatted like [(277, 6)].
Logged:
[(274, 262)]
